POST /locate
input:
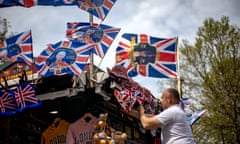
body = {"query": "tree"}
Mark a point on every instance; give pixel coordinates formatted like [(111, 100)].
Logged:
[(4, 25), (211, 72)]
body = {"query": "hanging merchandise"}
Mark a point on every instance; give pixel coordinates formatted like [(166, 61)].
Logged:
[(63, 57), (8, 105), (81, 131), (56, 132), (131, 92), (125, 99), (148, 56), (25, 96), (100, 35)]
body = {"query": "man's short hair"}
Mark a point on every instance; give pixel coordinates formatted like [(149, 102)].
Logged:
[(174, 92)]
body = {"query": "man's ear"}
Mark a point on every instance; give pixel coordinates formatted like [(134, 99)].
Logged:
[(170, 100)]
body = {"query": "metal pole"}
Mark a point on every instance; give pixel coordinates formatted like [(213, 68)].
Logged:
[(91, 66), (178, 70)]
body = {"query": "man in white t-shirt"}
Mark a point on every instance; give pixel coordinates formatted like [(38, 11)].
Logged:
[(175, 128)]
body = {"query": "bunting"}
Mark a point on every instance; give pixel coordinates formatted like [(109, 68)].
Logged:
[(31, 3), (125, 98), (100, 35), (25, 96), (8, 103), (98, 8), (148, 56), (17, 48), (63, 57)]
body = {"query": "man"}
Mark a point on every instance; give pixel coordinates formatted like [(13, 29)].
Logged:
[(172, 121)]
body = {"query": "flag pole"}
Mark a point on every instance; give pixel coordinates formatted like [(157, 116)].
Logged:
[(178, 70), (91, 66), (33, 62)]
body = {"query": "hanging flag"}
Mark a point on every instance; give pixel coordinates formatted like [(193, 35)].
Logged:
[(8, 105), (63, 57), (25, 96), (98, 8), (148, 56), (9, 3), (31, 3), (125, 98), (192, 118), (17, 48), (100, 35)]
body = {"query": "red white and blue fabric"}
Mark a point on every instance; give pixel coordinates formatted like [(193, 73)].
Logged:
[(31, 3), (128, 97), (63, 57), (192, 118), (8, 103), (100, 35), (148, 56), (25, 96), (140, 97), (98, 8), (125, 98), (17, 48), (185, 103), (149, 101)]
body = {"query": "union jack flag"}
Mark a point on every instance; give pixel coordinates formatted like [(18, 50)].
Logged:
[(63, 57), (31, 3), (25, 96), (98, 8), (192, 118), (17, 48), (148, 56), (185, 103), (8, 104), (100, 35), (125, 98)]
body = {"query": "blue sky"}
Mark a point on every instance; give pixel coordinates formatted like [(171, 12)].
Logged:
[(158, 18)]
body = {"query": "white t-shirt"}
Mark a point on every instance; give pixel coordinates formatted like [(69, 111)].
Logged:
[(175, 127)]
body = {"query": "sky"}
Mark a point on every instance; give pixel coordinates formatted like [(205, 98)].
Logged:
[(158, 18)]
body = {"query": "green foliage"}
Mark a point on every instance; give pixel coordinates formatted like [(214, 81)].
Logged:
[(211, 70)]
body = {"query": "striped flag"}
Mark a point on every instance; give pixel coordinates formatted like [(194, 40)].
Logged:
[(31, 3), (25, 96), (98, 8), (192, 118), (8, 105), (100, 35), (125, 98), (17, 48), (148, 56), (185, 103), (63, 57)]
